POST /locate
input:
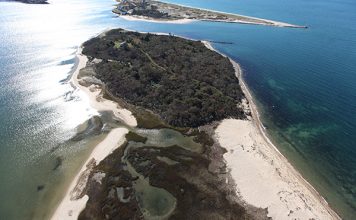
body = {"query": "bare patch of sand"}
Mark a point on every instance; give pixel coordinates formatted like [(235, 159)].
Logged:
[(263, 176), (147, 19), (189, 14), (96, 100)]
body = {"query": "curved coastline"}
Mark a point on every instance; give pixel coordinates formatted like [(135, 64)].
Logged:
[(258, 21), (262, 131), (73, 203), (275, 23), (145, 19)]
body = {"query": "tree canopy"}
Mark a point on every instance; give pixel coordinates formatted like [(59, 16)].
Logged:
[(187, 84)]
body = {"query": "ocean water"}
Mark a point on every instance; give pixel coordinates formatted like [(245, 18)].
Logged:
[(303, 79)]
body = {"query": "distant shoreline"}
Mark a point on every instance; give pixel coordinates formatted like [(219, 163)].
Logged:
[(184, 16), (146, 19), (32, 2)]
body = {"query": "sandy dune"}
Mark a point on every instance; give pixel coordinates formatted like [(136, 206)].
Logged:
[(264, 178)]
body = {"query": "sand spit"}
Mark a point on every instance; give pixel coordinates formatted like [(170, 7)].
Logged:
[(147, 19), (243, 20), (74, 202), (263, 176), (181, 14), (189, 20)]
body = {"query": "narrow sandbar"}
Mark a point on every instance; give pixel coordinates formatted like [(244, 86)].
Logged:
[(147, 19), (161, 11)]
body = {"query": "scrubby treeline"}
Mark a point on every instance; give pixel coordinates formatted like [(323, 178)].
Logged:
[(187, 84)]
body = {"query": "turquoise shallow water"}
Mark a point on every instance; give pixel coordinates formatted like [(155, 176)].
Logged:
[(304, 81)]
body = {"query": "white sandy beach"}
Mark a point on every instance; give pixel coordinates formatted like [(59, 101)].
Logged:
[(259, 21), (146, 19), (186, 21), (262, 175), (264, 178), (72, 204), (96, 100)]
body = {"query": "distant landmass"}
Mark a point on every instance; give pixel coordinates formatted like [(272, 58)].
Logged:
[(163, 11), (30, 1)]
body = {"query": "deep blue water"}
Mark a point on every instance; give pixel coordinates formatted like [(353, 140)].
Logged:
[(304, 81)]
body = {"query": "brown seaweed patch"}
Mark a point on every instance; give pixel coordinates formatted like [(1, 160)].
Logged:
[(132, 136), (91, 127)]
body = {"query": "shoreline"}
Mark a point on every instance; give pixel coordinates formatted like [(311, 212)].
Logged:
[(74, 202), (258, 21), (146, 19), (274, 23), (257, 125), (262, 131)]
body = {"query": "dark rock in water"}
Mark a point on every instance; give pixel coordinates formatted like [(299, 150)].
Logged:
[(131, 136), (40, 188), (55, 148), (94, 127), (68, 96), (58, 163)]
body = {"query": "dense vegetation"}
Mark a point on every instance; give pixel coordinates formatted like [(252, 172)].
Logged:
[(153, 13), (194, 180), (187, 84)]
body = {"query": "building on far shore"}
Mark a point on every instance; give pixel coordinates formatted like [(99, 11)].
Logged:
[(140, 8), (128, 7)]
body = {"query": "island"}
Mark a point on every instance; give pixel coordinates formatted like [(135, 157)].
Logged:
[(31, 1), (153, 10), (192, 89), (187, 142)]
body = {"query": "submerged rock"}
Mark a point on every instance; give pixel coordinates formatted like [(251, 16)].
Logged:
[(40, 188), (58, 163), (92, 127)]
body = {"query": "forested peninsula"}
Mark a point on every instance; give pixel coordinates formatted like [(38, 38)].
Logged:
[(172, 108), (178, 90), (181, 80)]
